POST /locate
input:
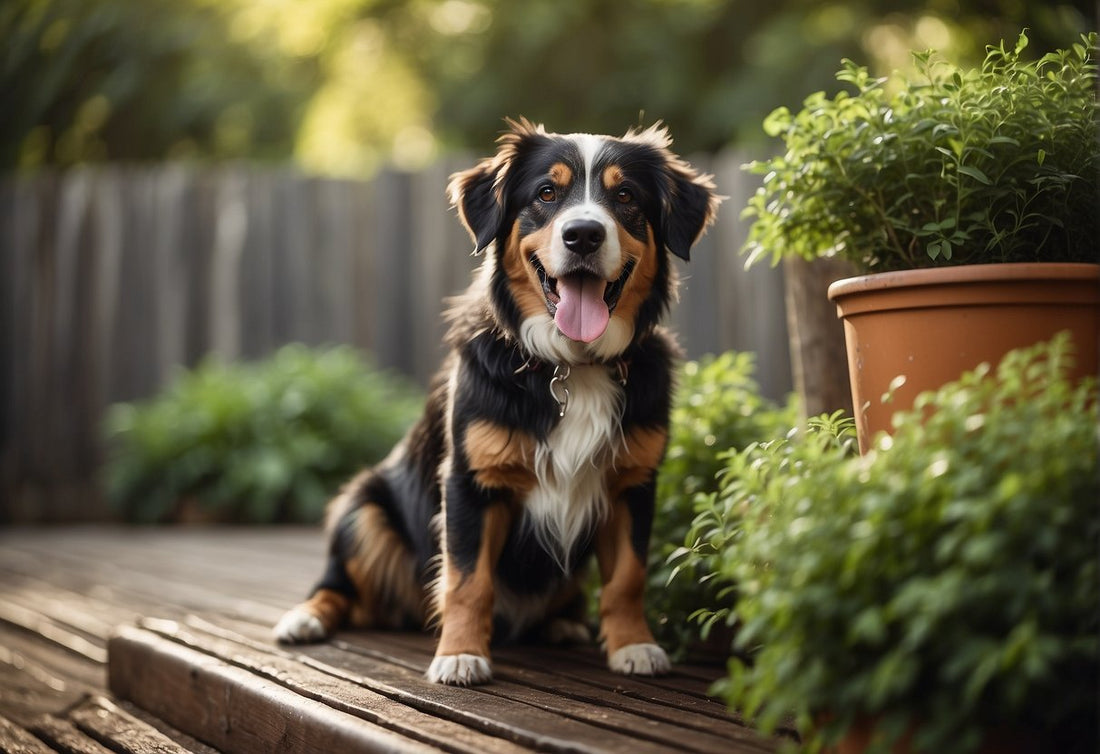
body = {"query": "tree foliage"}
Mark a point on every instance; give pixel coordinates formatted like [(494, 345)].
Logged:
[(87, 80), (343, 85)]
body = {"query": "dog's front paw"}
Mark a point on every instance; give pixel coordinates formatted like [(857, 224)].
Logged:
[(460, 670), (639, 659), (299, 626)]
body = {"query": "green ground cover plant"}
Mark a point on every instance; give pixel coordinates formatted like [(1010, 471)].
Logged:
[(946, 583), (718, 406), (262, 442)]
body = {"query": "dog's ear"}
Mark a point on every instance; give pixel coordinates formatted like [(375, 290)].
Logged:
[(688, 206), (474, 193), (480, 194), (688, 203)]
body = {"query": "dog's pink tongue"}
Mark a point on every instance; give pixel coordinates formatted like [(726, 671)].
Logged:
[(581, 314)]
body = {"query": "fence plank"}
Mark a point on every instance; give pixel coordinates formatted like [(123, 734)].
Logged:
[(231, 228), (8, 329), (115, 277)]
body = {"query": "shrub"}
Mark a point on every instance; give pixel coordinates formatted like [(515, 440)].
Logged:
[(948, 580), (956, 166), (718, 406), (262, 442)]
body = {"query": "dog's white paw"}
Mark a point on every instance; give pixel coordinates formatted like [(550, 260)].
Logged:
[(565, 631), (299, 626), (639, 659), (460, 670)]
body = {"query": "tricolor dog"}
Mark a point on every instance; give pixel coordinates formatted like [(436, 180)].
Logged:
[(540, 440)]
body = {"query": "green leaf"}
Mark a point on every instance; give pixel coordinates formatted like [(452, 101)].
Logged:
[(976, 174)]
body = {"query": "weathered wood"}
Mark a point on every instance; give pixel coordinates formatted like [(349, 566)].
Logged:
[(52, 655), (212, 671), (569, 689), (228, 707), (65, 737), (15, 740), (278, 666), (392, 665), (118, 730), (231, 228), (27, 692), (31, 620)]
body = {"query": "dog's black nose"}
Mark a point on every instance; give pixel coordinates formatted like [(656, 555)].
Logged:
[(583, 236)]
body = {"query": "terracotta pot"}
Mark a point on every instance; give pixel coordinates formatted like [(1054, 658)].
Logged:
[(931, 325)]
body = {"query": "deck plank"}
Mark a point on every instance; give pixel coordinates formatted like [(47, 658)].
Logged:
[(15, 740), (65, 737), (178, 622), (118, 730)]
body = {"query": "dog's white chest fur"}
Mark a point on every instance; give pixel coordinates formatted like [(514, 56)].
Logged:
[(571, 465)]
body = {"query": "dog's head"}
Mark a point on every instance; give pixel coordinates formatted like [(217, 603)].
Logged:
[(576, 228)]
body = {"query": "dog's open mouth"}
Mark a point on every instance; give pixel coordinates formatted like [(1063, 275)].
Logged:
[(581, 302)]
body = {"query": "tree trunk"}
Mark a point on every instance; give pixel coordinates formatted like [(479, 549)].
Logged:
[(819, 362)]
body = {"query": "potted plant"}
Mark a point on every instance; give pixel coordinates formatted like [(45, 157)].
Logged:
[(939, 594), (964, 194)]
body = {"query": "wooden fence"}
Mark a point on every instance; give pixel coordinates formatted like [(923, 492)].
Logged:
[(112, 278)]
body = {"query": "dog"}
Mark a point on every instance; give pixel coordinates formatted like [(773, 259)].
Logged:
[(542, 433)]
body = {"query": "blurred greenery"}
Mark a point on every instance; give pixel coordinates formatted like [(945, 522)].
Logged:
[(259, 442), (345, 85)]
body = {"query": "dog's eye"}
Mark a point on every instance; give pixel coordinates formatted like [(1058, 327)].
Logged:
[(548, 194), (625, 196)]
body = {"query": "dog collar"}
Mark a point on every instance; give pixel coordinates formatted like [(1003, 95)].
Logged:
[(559, 380)]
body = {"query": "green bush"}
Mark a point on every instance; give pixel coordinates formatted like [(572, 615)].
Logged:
[(951, 166), (949, 579), (717, 406), (262, 442)]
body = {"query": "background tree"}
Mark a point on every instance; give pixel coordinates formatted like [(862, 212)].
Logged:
[(711, 68), (343, 85), (87, 80)]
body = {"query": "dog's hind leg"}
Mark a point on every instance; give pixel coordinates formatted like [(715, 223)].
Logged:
[(370, 575)]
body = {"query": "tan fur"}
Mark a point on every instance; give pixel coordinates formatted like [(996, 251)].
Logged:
[(466, 603), (522, 278), (384, 573), (638, 459), (641, 279), (622, 619), (644, 447), (612, 176), (561, 174), (500, 457), (622, 615)]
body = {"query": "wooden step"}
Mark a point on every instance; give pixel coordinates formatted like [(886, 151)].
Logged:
[(366, 692)]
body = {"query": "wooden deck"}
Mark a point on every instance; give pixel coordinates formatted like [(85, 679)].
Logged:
[(153, 640)]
